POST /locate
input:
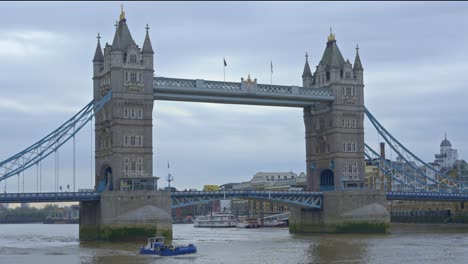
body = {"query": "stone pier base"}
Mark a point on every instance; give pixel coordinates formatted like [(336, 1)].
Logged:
[(343, 212), (126, 216)]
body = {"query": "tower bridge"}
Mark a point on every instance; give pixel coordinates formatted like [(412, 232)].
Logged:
[(125, 199)]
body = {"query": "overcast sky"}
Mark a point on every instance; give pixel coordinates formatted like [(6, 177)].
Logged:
[(415, 57)]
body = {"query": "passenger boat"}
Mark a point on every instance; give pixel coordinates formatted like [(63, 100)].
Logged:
[(156, 246), (275, 223), (219, 219), (248, 222)]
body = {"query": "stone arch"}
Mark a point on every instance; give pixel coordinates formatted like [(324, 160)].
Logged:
[(327, 180), (105, 181)]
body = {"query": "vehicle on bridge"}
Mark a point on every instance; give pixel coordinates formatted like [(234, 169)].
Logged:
[(156, 246)]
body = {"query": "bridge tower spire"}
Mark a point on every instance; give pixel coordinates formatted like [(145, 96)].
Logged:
[(357, 68), (307, 78), (98, 59)]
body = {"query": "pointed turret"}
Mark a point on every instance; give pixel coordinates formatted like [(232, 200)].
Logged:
[(332, 57), (116, 42), (357, 68), (307, 72), (147, 47), (98, 60), (357, 61), (122, 38), (98, 56), (307, 78)]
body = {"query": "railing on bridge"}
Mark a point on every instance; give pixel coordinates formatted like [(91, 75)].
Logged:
[(427, 196), (181, 199), (238, 93), (49, 197)]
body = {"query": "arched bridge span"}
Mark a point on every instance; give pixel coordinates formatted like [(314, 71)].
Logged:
[(299, 199)]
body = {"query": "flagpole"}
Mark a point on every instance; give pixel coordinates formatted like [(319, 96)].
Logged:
[(224, 68), (271, 74)]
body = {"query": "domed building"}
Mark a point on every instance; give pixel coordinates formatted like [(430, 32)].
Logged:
[(447, 156)]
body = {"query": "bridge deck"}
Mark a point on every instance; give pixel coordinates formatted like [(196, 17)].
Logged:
[(49, 197), (173, 89), (180, 199)]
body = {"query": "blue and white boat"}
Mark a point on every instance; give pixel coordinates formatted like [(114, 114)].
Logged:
[(156, 246)]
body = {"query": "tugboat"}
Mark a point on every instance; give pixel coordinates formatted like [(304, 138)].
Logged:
[(156, 246)]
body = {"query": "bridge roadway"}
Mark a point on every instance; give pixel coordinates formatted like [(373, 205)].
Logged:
[(244, 92), (182, 198)]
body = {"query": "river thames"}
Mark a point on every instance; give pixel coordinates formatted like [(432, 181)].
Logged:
[(46, 244)]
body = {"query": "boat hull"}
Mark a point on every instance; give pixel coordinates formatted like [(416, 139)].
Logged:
[(169, 251)]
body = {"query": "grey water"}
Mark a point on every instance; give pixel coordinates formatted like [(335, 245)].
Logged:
[(405, 243)]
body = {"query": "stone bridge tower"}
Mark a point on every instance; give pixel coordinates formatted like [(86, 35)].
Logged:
[(335, 152), (130, 207), (335, 132), (123, 128)]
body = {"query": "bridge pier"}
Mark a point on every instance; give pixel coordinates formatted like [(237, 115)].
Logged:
[(343, 212), (126, 216)]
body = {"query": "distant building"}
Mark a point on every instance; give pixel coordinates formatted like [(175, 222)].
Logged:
[(243, 186), (276, 180), (447, 156)]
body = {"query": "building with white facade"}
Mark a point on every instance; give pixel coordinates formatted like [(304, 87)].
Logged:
[(447, 156), (277, 180)]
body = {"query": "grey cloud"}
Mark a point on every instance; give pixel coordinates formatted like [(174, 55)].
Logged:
[(413, 54)]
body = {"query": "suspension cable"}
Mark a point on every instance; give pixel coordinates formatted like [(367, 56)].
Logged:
[(37, 177), (23, 176), (91, 145), (40, 176), (74, 167)]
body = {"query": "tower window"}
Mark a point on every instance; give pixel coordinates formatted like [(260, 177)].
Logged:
[(132, 58), (133, 77), (327, 74), (140, 113)]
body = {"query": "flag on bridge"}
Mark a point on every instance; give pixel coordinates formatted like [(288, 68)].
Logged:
[(224, 68), (271, 66)]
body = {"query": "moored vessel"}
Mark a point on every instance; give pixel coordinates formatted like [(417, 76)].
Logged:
[(218, 219)]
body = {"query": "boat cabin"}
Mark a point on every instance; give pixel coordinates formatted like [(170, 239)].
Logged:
[(154, 242)]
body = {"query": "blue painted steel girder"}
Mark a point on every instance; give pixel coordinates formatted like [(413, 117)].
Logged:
[(49, 197), (300, 199), (427, 196)]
